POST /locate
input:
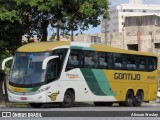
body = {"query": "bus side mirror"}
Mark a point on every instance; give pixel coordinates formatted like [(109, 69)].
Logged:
[(46, 60), (4, 62)]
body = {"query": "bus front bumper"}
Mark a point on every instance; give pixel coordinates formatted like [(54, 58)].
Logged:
[(31, 98)]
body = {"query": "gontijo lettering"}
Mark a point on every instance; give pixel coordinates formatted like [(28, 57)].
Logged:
[(127, 76)]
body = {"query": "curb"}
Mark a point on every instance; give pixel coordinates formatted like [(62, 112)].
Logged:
[(18, 105), (2, 106)]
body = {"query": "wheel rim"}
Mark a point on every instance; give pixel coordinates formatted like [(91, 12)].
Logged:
[(130, 100), (67, 99), (138, 99)]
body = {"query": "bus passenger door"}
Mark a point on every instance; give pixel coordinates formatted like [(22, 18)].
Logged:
[(52, 74)]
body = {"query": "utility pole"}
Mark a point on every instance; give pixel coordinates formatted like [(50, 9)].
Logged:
[(139, 40), (123, 37), (104, 29), (104, 26)]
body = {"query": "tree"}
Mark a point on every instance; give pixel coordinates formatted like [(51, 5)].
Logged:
[(82, 13), (32, 17), (66, 15), (42, 14), (14, 22)]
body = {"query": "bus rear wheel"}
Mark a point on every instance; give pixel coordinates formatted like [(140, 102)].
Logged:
[(138, 99), (129, 99), (36, 105), (68, 99), (103, 103)]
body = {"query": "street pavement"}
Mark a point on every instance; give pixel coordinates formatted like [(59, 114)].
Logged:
[(50, 109)]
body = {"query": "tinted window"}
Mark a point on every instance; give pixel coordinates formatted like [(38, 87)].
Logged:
[(103, 60), (90, 59), (152, 64), (61, 53), (53, 70), (118, 61), (141, 63), (75, 59), (130, 62)]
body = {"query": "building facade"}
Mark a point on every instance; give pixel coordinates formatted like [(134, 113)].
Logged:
[(142, 33), (119, 12)]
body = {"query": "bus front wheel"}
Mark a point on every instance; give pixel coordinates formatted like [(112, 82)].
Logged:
[(68, 99)]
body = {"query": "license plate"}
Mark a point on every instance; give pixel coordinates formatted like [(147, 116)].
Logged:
[(23, 98)]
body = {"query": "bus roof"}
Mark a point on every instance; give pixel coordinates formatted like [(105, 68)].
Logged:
[(48, 46), (42, 46)]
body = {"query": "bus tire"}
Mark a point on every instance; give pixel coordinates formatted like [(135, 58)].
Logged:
[(157, 100), (138, 99), (129, 99), (68, 99), (5, 93), (36, 105), (103, 103)]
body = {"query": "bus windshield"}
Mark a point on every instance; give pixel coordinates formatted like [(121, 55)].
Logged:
[(27, 68)]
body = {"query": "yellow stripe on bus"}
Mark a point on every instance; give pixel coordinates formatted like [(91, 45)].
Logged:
[(16, 89)]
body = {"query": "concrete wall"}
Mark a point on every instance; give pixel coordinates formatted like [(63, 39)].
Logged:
[(86, 38)]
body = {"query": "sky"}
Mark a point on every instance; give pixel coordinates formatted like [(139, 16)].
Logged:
[(115, 2), (95, 30)]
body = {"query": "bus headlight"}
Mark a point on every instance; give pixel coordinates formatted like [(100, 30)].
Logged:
[(43, 89)]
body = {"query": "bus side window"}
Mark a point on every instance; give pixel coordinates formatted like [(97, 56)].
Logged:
[(142, 63), (152, 63), (91, 59), (74, 60), (103, 60), (130, 62), (110, 60), (88, 59), (118, 61), (95, 59)]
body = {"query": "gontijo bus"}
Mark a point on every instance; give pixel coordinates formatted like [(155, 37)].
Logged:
[(67, 72)]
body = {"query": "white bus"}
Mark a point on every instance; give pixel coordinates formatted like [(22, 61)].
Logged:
[(67, 72)]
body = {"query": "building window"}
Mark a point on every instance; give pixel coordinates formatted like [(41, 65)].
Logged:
[(132, 47), (157, 45), (95, 39), (130, 10), (144, 11)]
